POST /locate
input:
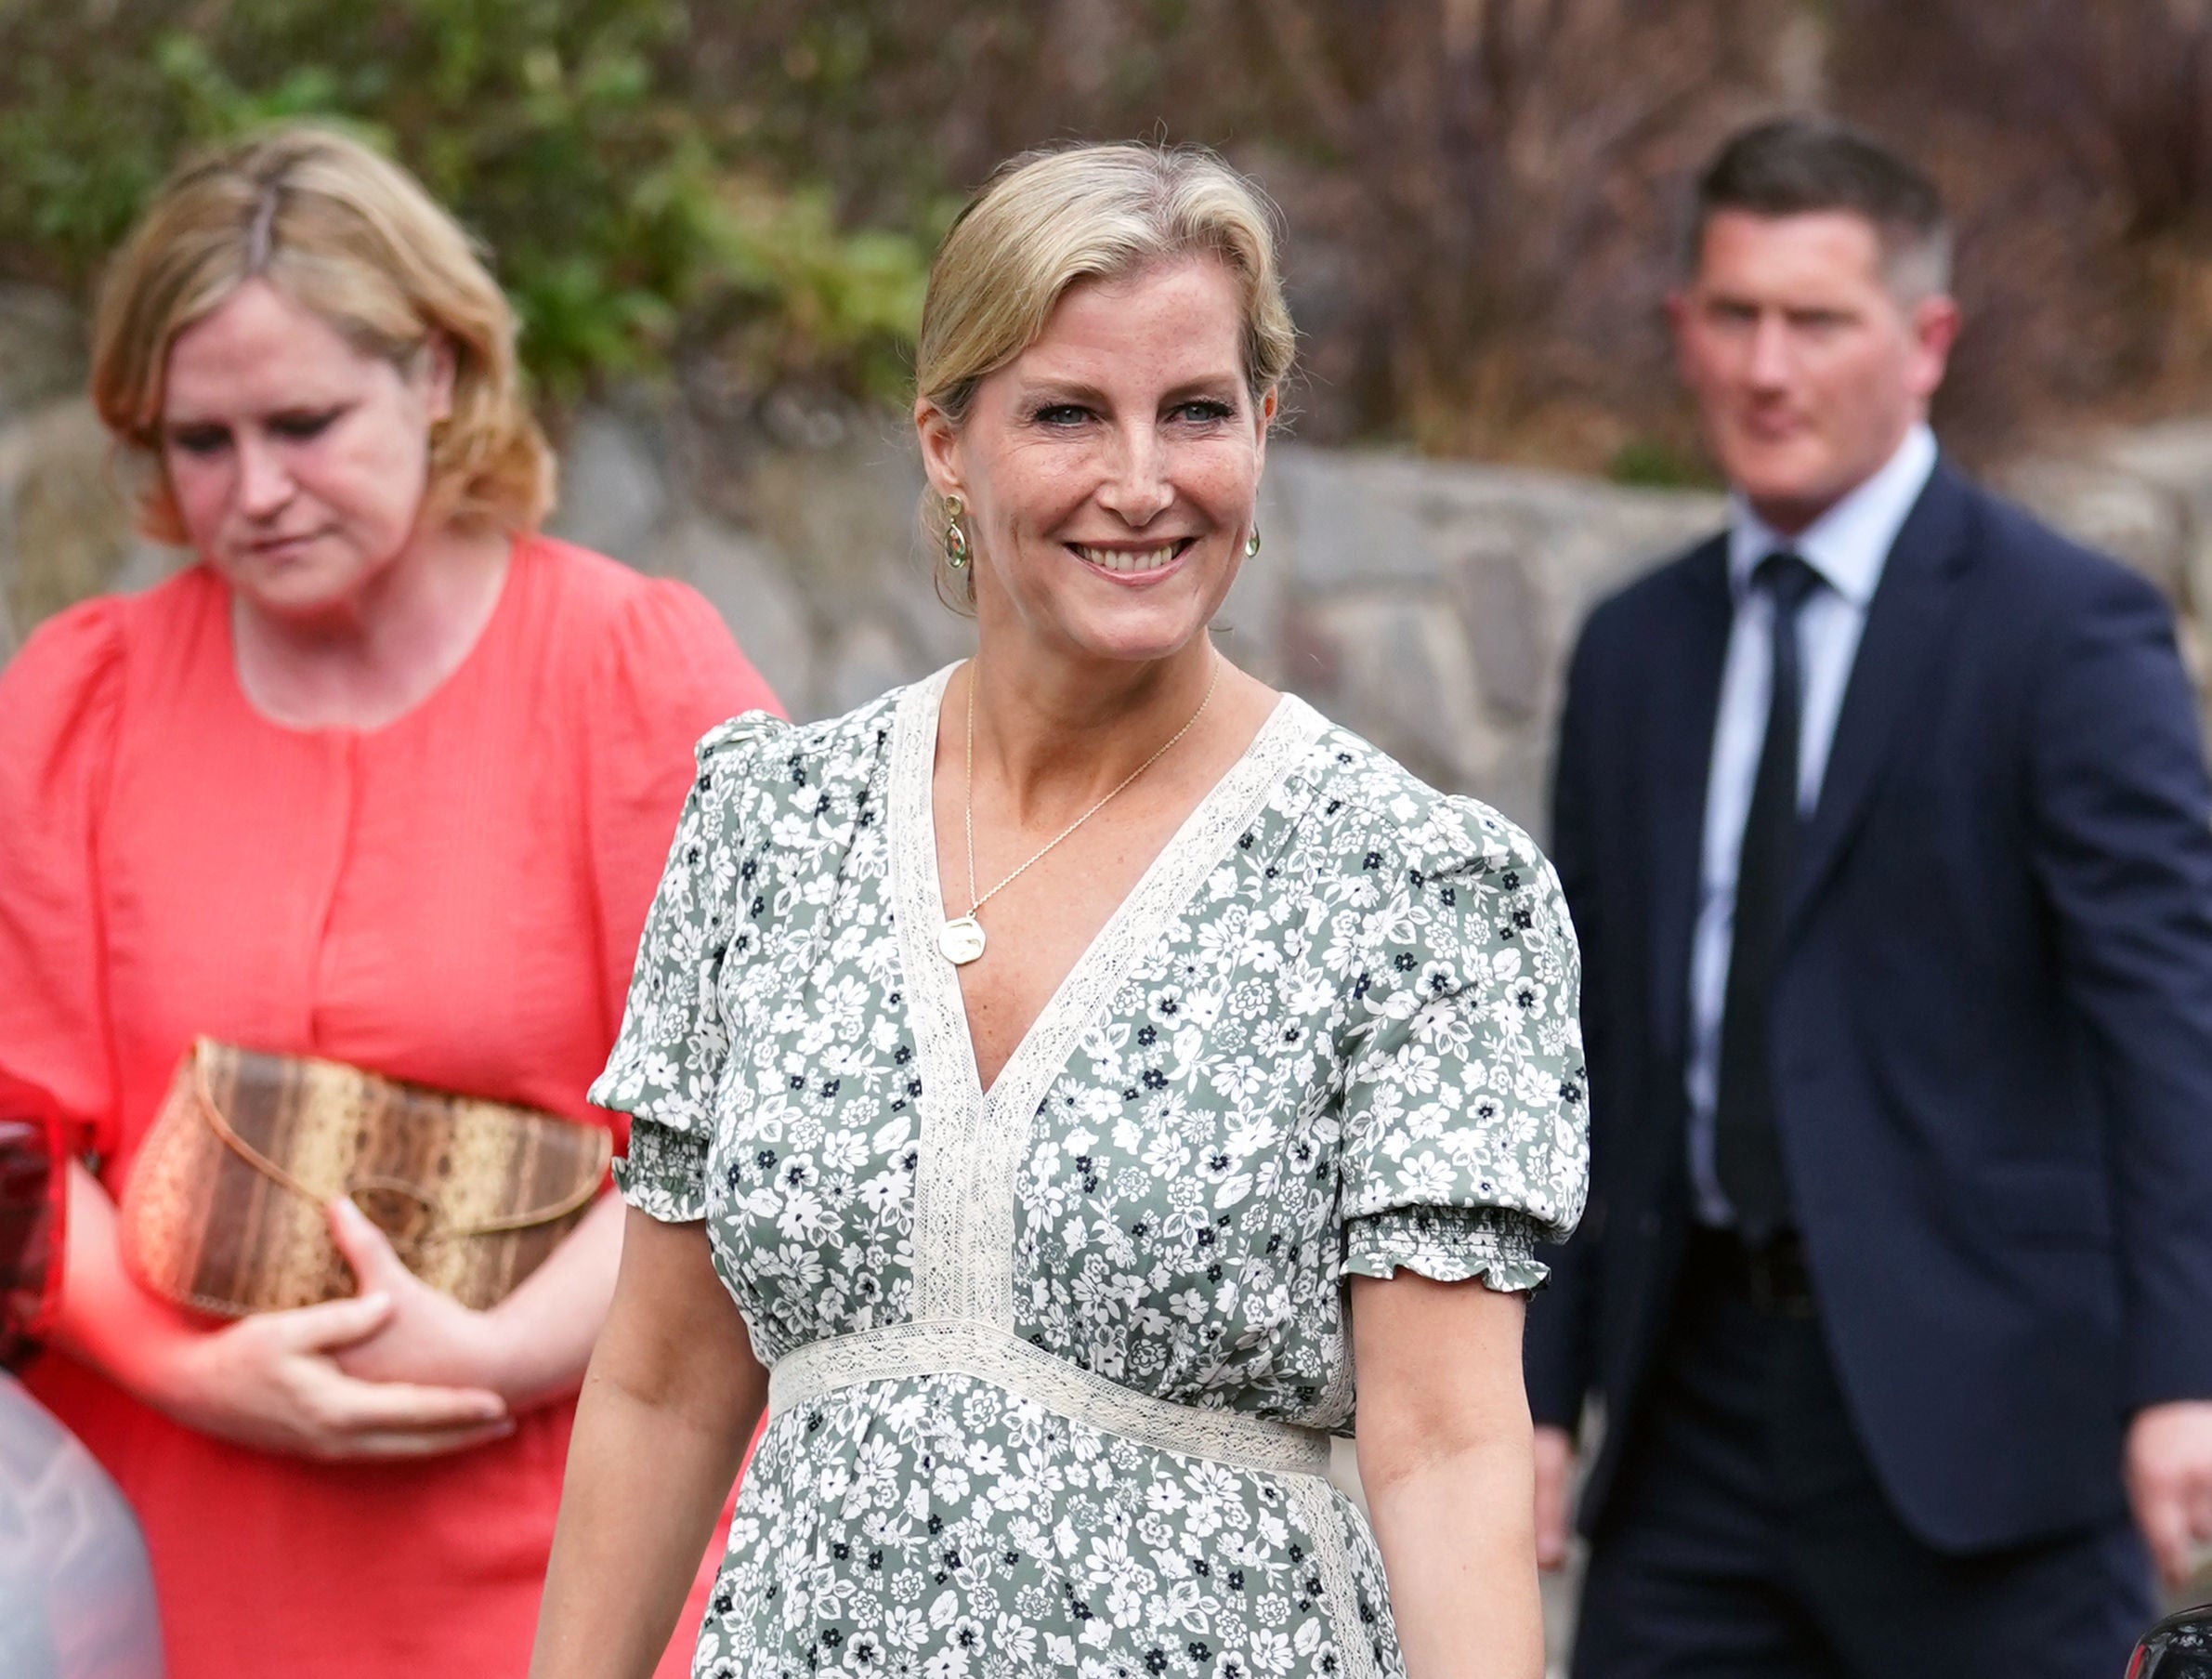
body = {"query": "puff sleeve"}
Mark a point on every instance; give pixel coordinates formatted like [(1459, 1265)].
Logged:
[(60, 709), (1465, 1116), (674, 1039), (665, 674)]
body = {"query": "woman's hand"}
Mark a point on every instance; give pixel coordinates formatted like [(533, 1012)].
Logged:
[(427, 1336), (273, 1381), (530, 1348), (1554, 1478)]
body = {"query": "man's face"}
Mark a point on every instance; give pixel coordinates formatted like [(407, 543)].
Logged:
[(1808, 368)]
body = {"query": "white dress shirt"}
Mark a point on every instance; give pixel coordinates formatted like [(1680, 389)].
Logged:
[(1847, 545)]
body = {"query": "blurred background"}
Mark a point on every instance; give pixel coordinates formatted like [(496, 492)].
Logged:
[(1481, 194), (715, 221)]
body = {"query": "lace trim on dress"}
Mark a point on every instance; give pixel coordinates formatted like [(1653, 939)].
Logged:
[(903, 1351), (1316, 1504), (1131, 932), (973, 1147), (950, 1104)]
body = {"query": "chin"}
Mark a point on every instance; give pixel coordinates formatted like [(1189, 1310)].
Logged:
[(301, 593), (1136, 638), (1799, 485)]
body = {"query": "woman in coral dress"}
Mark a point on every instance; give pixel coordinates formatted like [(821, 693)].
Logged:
[(386, 778)]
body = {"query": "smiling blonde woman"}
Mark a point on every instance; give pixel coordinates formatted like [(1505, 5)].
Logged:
[(1048, 1077)]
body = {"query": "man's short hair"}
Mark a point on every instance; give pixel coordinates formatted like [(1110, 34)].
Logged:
[(1802, 165)]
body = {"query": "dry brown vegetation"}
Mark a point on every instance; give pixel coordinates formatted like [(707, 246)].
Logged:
[(1483, 194)]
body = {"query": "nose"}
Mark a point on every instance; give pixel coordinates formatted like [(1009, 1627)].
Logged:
[(1769, 364), (1138, 488), (264, 482)]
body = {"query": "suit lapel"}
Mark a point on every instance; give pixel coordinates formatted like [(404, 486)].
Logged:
[(1907, 623), (1685, 700)]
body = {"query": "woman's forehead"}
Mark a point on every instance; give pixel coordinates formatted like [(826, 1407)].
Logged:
[(257, 345), (1182, 320)]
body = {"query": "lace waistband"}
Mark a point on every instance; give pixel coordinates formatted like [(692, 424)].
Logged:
[(955, 1346)]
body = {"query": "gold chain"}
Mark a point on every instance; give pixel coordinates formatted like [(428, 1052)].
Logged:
[(976, 902)]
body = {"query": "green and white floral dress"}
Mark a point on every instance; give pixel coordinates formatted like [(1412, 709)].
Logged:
[(1054, 1366)]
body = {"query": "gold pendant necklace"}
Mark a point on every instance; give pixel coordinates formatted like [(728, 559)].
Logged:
[(961, 939)]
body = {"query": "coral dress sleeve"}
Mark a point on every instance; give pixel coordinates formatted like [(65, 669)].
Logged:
[(669, 672), (60, 700)]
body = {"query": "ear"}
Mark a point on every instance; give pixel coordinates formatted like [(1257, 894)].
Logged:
[(1935, 322), (941, 450), (1270, 405)]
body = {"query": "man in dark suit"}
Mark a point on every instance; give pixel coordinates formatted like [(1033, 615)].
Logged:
[(1883, 820)]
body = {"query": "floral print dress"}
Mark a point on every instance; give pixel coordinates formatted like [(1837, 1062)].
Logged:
[(1054, 1366)]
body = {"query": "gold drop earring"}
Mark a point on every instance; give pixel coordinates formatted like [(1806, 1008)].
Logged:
[(956, 539)]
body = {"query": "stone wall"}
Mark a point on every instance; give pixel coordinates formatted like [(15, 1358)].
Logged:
[(1428, 605)]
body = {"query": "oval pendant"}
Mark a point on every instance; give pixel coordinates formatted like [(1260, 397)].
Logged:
[(962, 940)]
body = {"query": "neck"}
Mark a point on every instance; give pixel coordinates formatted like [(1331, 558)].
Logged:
[(1057, 732), (379, 652)]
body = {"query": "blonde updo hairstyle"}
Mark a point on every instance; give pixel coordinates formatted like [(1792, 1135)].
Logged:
[(355, 239), (1047, 219)]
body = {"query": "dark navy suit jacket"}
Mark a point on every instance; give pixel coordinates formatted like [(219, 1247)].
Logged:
[(1992, 1027)]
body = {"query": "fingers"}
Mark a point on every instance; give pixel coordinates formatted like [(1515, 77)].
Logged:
[(2169, 1482), (2193, 1499), (363, 1407), (418, 1443), (322, 1329), (1550, 1528), (375, 1267), (1554, 1468), (2163, 1514), (2167, 1535)]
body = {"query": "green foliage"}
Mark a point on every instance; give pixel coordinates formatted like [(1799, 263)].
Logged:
[(620, 208), (1654, 463)]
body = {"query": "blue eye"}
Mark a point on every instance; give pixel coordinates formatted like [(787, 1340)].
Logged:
[(1061, 413), (1206, 410)]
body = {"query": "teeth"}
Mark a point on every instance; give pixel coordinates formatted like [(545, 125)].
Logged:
[(1125, 562)]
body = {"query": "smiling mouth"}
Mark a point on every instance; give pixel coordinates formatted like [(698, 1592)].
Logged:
[(1130, 562)]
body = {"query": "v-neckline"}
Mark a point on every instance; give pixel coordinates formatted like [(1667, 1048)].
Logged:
[(972, 1144), (921, 904)]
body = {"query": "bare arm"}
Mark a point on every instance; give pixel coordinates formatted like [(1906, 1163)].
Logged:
[(671, 1395), (271, 1381), (1446, 1460)]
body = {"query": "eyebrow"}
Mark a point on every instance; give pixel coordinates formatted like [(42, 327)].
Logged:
[(287, 410), (1212, 385)]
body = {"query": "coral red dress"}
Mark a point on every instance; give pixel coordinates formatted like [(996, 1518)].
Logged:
[(453, 898)]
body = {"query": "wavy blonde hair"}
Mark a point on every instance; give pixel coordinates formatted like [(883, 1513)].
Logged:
[(1049, 218), (354, 239)]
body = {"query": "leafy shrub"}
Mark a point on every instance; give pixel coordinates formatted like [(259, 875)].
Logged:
[(617, 207)]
